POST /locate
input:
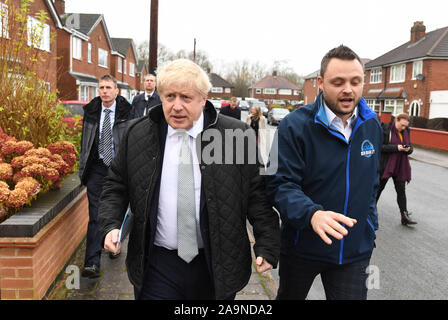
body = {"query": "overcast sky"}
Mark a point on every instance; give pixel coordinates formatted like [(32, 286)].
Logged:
[(298, 32)]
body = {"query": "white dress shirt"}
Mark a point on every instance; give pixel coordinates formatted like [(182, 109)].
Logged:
[(335, 121), (112, 121), (166, 234)]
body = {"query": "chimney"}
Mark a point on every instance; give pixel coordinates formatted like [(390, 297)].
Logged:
[(60, 6), (417, 31)]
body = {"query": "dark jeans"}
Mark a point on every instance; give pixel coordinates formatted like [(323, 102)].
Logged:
[(400, 188), (168, 277), (341, 282), (94, 188)]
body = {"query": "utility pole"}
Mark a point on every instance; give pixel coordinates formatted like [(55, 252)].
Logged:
[(153, 36), (194, 51)]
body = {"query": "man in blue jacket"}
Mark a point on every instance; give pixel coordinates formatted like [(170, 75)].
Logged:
[(325, 183)]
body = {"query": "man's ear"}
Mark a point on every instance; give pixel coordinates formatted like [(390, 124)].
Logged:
[(320, 82)]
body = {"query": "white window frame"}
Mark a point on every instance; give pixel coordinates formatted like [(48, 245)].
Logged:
[(258, 91), (374, 104), (103, 57), (285, 92), (131, 69), (395, 106), (41, 33), (217, 90), (270, 91), (83, 92), (125, 66), (4, 25), (227, 90), (77, 48), (120, 64), (376, 75), (296, 92), (414, 108), (417, 68), (89, 52), (398, 73)]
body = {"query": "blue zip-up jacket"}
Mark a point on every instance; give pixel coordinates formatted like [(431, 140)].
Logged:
[(318, 169)]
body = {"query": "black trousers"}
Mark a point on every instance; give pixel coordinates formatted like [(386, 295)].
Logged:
[(94, 184), (400, 188), (341, 282), (168, 277)]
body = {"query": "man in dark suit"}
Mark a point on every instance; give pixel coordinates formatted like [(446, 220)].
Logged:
[(104, 123), (145, 101), (232, 110), (188, 237)]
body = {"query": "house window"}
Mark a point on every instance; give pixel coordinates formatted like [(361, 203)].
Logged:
[(38, 34), (374, 104), (217, 90), (227, 90), (269, 91), (393, 106), (296, 92), (89, 52), (120, 64), (83, 93), (102, 57), (285, 92), (376, 75), (397, 73), (414, 109), (258, 91), (4, 20), (77, 48), (417, 68), (125, 66), (131, 69)]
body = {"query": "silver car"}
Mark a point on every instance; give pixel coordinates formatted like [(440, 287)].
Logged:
[(276, 115)]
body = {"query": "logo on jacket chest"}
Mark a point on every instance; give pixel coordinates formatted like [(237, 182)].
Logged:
[(367, 149)]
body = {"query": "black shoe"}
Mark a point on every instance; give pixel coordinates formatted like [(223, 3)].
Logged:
[(91, 272), (114, 255)]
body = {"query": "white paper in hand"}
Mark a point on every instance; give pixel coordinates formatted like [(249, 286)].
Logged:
[(125, 226)]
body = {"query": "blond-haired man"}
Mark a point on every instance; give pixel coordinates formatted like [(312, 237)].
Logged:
[(214, 262)]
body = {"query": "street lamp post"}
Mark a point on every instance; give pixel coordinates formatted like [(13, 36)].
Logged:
[(153, 36)]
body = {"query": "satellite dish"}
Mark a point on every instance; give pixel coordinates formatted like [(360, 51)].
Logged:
[(420, 77)]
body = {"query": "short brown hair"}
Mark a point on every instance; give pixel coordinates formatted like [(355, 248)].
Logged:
[(108, 77), (403, 116), (342, 52)]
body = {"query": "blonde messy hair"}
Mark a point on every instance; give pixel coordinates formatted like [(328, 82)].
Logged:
[(183, 72)]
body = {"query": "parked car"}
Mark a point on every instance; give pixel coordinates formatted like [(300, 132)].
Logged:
[(276, 115), (74, 107), (263, 107), (216, 104), (244, 105)]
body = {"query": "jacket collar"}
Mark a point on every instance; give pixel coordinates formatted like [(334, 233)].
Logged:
[(210, 114), (364, 112)]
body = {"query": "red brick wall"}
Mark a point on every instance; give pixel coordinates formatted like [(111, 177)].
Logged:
[(28, 266), (47, 70), (430, 138), (310, 90)]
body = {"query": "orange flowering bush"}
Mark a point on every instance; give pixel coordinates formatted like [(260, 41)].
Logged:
[(25, 171)]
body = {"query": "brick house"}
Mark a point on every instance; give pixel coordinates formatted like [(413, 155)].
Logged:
[(310, 87), (411, 78), (51, 26), (124, 66), (142, 71), (85, 50), (221, 88), (274, 89)]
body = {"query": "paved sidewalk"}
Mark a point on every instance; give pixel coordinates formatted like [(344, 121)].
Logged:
[(113, 284), (435, 157)]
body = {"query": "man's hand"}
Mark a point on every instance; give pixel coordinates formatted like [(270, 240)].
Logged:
[(327, 222), (110, 242), (262, 265)]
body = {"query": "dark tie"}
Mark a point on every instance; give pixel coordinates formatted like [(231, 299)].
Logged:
[(186, 209), (106, 139)]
